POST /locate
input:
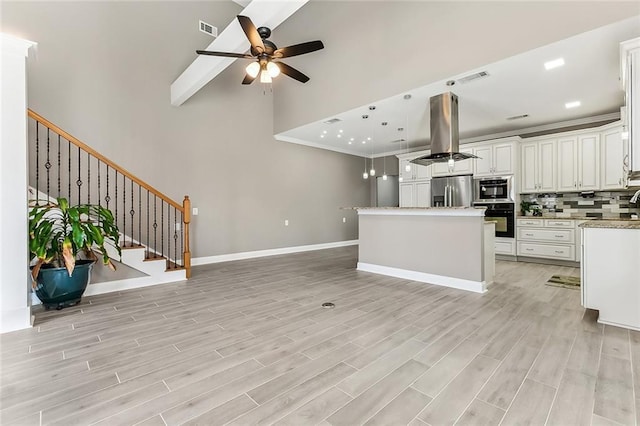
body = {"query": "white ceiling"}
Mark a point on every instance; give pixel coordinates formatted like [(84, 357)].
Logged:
[(515, 86)]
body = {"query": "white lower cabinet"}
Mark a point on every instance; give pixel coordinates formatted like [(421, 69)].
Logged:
[(547, 238), (415, 194), (505, 246)]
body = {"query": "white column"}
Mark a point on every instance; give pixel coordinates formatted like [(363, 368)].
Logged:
[(15, 300)]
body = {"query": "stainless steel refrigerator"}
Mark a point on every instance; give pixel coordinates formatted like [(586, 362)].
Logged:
[(452, 191)]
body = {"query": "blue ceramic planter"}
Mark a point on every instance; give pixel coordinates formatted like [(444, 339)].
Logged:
[(56, 289)]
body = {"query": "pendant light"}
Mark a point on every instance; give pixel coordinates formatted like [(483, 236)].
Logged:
[(365, 175), (372, 172), (406, 97), (384, 160)]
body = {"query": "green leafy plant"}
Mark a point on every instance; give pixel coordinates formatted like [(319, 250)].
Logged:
[(525, 206), (59, 232)]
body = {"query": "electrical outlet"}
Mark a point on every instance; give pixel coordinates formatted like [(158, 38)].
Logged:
[(286, 222), (344, 220), (195, 211)]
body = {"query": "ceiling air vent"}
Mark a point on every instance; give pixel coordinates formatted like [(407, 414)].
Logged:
[(399, 140), (517, 117), (332, 121), (208, 29), (472, 77)]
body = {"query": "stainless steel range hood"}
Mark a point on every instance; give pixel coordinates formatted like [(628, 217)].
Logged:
[(445, 139)]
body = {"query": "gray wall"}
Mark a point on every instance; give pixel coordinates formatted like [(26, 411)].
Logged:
[(377, 49), (102, 72)]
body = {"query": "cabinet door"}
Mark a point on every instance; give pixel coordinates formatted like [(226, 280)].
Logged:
[(406, 170), (484, 164), (423, 194), (612, 154), (422, 172), (547, 166), (589, 162), (567, 164), (465, 166), (407, 195), (529, 175), (503, 159)]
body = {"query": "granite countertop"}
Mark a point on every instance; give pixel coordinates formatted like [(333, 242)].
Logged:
[(560, 217), (411, 208), (613, 224)]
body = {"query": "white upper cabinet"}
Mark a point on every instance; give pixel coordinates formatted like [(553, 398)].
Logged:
[(538, 172), (415, 194), (612, 152), (409, 171), (495, 159), (463, 167), (579, 163)]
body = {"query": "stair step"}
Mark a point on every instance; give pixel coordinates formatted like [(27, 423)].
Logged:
[(128, 246), (172, 266), (152, 257)]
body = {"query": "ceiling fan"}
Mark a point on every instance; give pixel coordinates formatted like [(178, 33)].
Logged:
[(267, 54)]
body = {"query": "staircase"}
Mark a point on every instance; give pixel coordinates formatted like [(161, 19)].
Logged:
[(154, 229)]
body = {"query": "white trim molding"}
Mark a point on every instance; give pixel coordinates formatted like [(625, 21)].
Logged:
[(459, 283), (269, 252)]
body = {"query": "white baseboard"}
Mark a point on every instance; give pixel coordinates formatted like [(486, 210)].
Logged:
[(270, 252), (459, 283), (127, 284)]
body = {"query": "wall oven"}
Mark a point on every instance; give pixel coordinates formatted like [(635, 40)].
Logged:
[(494, 189), (504, 216)]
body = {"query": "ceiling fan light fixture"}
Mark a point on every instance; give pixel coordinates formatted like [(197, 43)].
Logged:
[(265, 77), (253, 69), (273, 69)]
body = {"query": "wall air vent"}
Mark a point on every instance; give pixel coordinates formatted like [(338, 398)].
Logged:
[(472, 77), (208, 29), (517, 117), (332, 121), (399, 140)]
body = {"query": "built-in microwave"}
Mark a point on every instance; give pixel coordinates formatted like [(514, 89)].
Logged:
[(497, 189)]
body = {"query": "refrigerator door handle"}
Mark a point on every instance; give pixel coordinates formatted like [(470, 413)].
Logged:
[(446, 195)]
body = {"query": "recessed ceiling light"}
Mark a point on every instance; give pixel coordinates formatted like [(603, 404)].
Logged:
[(352, 139), (554, 64), (339, 136), (364, 141), (324, 131), (573, 104), (349, 142), (322, 136), (369, 138), (340, 130)]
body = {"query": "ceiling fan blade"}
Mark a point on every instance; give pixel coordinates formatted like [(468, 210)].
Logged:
[(252, 34), (225, 54), (248, 79), (298, 49), (292, 72)]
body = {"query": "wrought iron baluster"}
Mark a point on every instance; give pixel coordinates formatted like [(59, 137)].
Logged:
[(99, 195), (47, 165), (69, 171), (58, 166), (124, 208), (37, 163), (115, 198), (155, 225), (132, 213), (139, 214), (79, 181), (88, 178), (148, 238), (162, 228), (175, 237), (107, 198), (181, 238)]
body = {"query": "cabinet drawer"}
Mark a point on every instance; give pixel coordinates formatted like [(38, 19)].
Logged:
[(551, 235), (558, 223), (530, 222), (553, 251)]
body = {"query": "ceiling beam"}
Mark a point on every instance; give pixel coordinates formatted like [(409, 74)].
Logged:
[(263, 13)]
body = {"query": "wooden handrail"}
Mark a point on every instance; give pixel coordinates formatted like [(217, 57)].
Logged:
[(77, 142)]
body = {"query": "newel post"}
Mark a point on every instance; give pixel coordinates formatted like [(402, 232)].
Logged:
[(186, 206)]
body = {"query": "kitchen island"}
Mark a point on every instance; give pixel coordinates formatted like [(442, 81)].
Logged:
[(610, 282), (448, 246)]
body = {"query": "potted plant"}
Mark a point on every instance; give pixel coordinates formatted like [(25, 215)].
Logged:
[(64, 239), (525, 208)]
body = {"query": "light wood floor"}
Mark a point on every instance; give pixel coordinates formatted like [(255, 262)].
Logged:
[(247, 342)]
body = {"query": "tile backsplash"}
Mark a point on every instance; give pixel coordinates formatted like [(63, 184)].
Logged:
[(605, 204)]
